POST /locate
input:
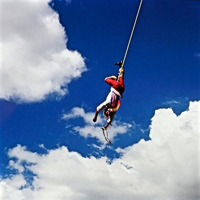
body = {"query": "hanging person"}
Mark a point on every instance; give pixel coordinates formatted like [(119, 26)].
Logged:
[(117, 87), (112, 102)]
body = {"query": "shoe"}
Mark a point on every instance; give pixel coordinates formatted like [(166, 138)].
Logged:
[(119, 64)]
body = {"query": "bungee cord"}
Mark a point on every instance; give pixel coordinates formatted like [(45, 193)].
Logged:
[(131, 33)]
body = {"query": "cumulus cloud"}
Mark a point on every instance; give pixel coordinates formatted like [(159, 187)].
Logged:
[(165, 167), (34, 59), (10, 188), (78, 112), (91, 129)]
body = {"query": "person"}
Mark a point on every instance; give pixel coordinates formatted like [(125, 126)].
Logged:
[(112, 102)]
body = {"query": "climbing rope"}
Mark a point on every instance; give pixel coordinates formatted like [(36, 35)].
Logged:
[(131, 33)]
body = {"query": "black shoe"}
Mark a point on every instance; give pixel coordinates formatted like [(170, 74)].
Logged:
[(119, 64)]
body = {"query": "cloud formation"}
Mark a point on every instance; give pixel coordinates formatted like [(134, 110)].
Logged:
[(165, 167), (91, 129), (35, 62)]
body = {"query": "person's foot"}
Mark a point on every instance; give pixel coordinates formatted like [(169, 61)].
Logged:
[(119, 63), (95, 117)]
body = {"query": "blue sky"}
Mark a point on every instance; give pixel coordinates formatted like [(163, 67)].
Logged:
[(55, 56)]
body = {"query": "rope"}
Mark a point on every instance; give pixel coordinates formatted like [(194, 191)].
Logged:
[(131, 33)]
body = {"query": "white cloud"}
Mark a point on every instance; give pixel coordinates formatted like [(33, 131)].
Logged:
[(178, 102), (34, 60), (166, 167), (91, 129), (78, 112), (10, 188)]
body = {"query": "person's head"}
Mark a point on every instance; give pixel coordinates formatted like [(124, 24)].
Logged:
[(106, 112)]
